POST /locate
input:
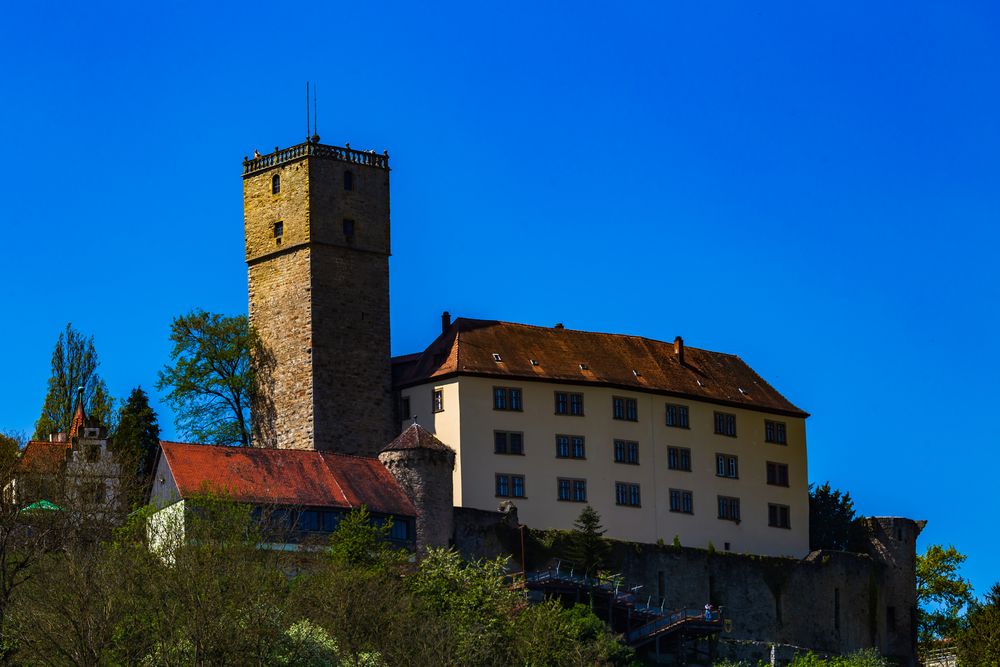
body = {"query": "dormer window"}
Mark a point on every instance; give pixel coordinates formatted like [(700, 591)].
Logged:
[(91, 433), (275, 184), (348, 180)]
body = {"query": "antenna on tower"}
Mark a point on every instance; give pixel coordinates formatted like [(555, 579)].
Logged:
[(315, 116), (307, 111)]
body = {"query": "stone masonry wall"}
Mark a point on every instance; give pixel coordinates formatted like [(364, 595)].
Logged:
[(352, 381), (425, 476), (830, 602), (352, 373), (319, 297), (279, 310), (279, 292)]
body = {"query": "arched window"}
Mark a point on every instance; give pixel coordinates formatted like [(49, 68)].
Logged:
[(275, 184), (348, 180)]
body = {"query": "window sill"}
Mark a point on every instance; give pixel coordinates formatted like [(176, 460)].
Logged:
[(569, 500), (682, 512), (683, 428), (627, 463), (679, 469)]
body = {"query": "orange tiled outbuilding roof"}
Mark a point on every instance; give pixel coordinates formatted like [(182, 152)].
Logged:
[(286, 477), (468, 346)]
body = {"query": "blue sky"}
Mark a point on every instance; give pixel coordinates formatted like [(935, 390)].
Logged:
[(813, 188)]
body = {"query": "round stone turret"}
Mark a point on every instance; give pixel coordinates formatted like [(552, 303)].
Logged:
[(423, 466)]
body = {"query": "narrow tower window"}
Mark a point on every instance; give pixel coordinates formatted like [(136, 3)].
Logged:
[(275, 184), (348, 180), (279, 230), (349, 230)]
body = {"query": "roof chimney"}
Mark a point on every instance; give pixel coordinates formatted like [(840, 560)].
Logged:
[(445, 321), (679, 349)]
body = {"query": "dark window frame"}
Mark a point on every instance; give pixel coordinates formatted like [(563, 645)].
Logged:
[(681, 501), (275, 184), (568, 404), (626, 451), (508, 399), (624, 408), (729, 508), (348, 180), (508, 438), (775, 432), (437, 399), (678, 416), (727, 466), (571, 490), (628, 494), (779, 516), (777, 473), (571, 446), (677, 457), (725, 424), (507, 485)]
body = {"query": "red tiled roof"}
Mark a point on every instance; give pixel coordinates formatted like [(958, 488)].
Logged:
[(416, 437), (286, 477), (583, 357), (43, 457), (79, 418)]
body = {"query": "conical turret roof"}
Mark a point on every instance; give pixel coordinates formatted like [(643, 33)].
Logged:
[(417, 437)]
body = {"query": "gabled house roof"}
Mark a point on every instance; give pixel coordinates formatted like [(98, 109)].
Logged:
[(286, 477), (43, 457), (490, 348)]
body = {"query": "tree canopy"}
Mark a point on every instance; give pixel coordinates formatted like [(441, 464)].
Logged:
[(979, 640), (211, 377), (942, 594), (74, 365), (832, 524)]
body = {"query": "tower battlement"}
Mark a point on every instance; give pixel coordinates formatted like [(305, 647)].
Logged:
[(306, 149)]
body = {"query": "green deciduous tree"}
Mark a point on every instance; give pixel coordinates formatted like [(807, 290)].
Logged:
[(832, 524), (211, 379), (587, 547), (979, 641), (74, 365), (942, 594), (136, 439)]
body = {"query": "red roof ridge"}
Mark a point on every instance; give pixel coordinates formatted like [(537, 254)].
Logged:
[(583, 331)]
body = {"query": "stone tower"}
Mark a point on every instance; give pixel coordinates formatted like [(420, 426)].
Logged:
[(316, 219), (892, 542), (423, 466)]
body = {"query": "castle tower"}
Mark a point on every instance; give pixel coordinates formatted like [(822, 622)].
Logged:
[(316, 219), (423, 466), (892, 543)]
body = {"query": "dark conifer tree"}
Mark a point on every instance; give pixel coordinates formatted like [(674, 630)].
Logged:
[(136, 440), (588, 549)]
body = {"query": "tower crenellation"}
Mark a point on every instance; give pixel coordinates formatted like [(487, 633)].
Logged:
[(316, 219)]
